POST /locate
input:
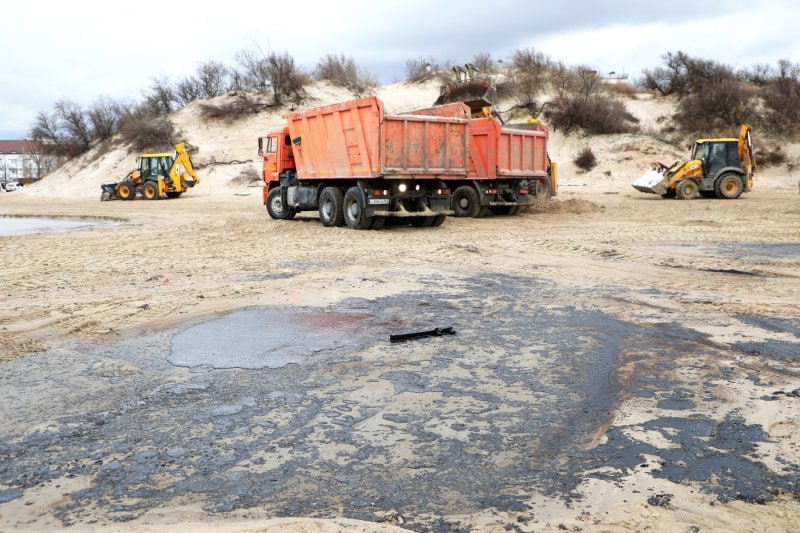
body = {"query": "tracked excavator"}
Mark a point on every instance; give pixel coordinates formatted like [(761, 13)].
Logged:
[(159, 175), (717, 167)]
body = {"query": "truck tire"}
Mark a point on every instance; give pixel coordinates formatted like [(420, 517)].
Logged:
[(126, 190), (729, 186), (331, 207), (377, 222), (438, 220), (465, 202), (355, 209), (504, 209), (686, 190), (150, 191), (422, 222), (542, 188), (275, 206)]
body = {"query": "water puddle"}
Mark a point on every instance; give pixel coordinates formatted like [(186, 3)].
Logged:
[(10, 226), (270, 338)]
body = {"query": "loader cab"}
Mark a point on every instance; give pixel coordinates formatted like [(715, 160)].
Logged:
[(717, 154), (152, 165), (276, 152)]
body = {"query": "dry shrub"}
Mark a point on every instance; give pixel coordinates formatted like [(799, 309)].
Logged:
[(621, 89), (239, 106), (246, 176), (342, 71), (147, 132), (770, 156), (597, 114), (573, 206), (716, 106), (421, 69), (781, 97), (585, 160), (581, 102)]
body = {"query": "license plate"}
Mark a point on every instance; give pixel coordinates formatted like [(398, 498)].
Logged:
[(379, 201)]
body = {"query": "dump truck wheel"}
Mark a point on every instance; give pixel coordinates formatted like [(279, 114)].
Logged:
[(275, 206), (150, 191), (126, 190), (542, 189), (355, 209), (729, 186), (686, 190), (438, 220), (503, 209), (422, 222), (377, 222), (331, 207), (465, 202)]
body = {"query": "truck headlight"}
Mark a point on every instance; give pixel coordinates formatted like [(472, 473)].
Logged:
[(402, 187)]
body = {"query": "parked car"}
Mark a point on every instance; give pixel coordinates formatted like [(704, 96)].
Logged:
[(12, 186)]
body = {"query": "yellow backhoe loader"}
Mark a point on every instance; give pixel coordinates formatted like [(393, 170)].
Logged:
[(718, 167), (158, 175)]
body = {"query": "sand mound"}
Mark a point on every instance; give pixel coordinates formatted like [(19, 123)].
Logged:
[(574, 206)]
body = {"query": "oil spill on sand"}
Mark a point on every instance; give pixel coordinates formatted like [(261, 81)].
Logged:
[(437, 427)]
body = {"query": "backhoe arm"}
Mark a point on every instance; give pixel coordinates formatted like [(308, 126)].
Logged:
[(182, 169)]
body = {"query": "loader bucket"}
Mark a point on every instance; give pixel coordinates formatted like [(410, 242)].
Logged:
[(652, 181), (476, 94)]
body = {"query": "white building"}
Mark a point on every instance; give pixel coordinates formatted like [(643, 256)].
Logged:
[(22, 161)]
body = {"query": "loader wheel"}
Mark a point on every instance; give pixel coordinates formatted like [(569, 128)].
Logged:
[(669, 194), (126, 190), (729, 186), (275, 206), (355, 210), (686, 190), (331, 207), (465, 202), (150, 191)]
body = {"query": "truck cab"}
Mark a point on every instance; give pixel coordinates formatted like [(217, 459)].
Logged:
[(276, 152)]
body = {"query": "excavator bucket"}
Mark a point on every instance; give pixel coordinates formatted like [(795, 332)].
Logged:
[(475, 93), (652, 181)]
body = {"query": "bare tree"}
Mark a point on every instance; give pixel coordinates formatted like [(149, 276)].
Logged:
[(104, 115), (186, 90), (286, 79), (47, 132), (160, 98), (484, 63), (254, 72), (75, 123), (212, 78)]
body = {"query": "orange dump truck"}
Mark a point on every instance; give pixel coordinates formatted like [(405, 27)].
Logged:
[(357, 165)]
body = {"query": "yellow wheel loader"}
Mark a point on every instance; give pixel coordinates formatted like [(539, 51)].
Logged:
[(158, 175), (718, 167)]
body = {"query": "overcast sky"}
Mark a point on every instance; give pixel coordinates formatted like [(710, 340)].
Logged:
[(79, 50)]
